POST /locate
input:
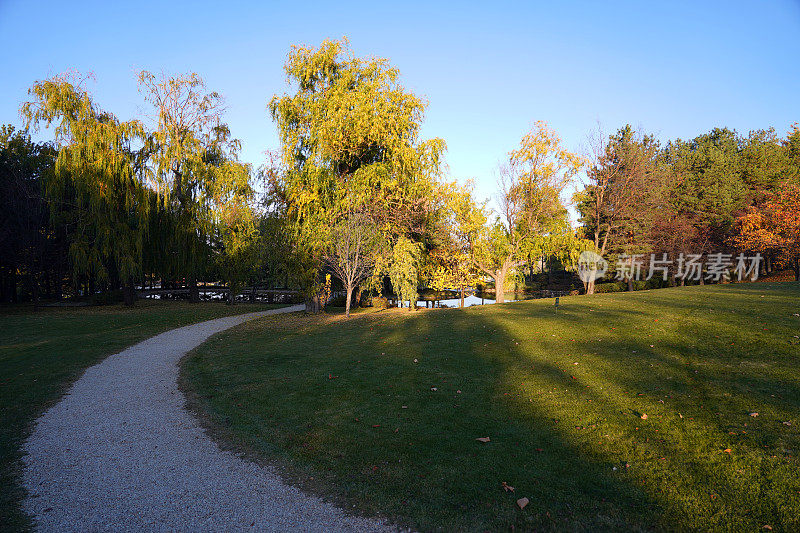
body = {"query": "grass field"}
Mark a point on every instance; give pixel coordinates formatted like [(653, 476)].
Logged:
[(616, 412), (42, 352)]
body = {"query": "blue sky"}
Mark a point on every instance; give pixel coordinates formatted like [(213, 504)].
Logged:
[(488, 70)]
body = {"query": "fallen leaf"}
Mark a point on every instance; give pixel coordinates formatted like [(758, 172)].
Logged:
[(522, 502), (753, 414), (644, 416), (434, 389), (507, 487), (483, 439), (727, 450)]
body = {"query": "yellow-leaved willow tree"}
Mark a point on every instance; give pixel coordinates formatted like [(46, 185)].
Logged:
[(450, 264), (350, 150), (100, 172), (533, 216), (172, 187)]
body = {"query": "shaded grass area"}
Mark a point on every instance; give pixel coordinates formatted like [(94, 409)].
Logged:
[(42, 352), (381, 412)]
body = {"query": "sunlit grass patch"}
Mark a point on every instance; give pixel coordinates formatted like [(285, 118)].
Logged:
[(614, 412)]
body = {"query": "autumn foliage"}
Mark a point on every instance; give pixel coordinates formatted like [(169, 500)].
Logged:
[(774, 226)]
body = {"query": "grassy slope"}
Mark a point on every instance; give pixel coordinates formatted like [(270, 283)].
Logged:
[(324, 398), (42, 353)]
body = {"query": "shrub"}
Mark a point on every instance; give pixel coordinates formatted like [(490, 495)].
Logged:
[(337, 301), (380, 302), (609, 287), (107, 297)]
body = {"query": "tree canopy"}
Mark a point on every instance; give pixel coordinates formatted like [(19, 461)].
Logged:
[(355, 192)]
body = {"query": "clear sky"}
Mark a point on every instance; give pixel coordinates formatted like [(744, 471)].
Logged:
[(488, 69)]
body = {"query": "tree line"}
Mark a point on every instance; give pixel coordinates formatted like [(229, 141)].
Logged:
[(354, 196)]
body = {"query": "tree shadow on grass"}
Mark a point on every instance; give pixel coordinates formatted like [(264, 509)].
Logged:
[(388, 413), (712, 467), (384, 410)]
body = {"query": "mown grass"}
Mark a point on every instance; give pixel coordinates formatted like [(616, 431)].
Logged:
[(42, 352), (381, 412)]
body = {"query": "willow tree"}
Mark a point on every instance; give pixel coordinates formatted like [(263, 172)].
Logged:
[(235, 224), (350, 135), (532, 181), (404, 269), (100, 166), (186, 147), (450, 264)]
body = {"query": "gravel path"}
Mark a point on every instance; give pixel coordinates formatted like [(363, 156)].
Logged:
[(121, 453)]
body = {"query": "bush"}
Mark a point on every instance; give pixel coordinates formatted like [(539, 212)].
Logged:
[(622, 286), (380, 302), (107, 297), (609, 287), (337, 301)]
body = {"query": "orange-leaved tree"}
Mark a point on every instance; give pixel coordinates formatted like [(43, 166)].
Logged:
[(774, 226)]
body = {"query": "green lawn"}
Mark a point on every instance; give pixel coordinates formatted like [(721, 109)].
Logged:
[(42, 352), (382, 412)]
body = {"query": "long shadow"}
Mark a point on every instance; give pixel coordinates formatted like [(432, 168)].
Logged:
[(384, 411), (393, 420), (659, 381)]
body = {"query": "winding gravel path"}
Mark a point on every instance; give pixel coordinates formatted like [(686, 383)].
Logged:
[(121, 453)]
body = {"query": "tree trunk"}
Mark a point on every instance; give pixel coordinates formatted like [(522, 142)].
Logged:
[(314, 304), (12, 285), (34, 290), (590, 286), (549, 273), (797, 268), (194, 291), (129, 293), (630, 276), (4, 282), (348, 295), (232, 290), (462, 295), (499, 293)]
